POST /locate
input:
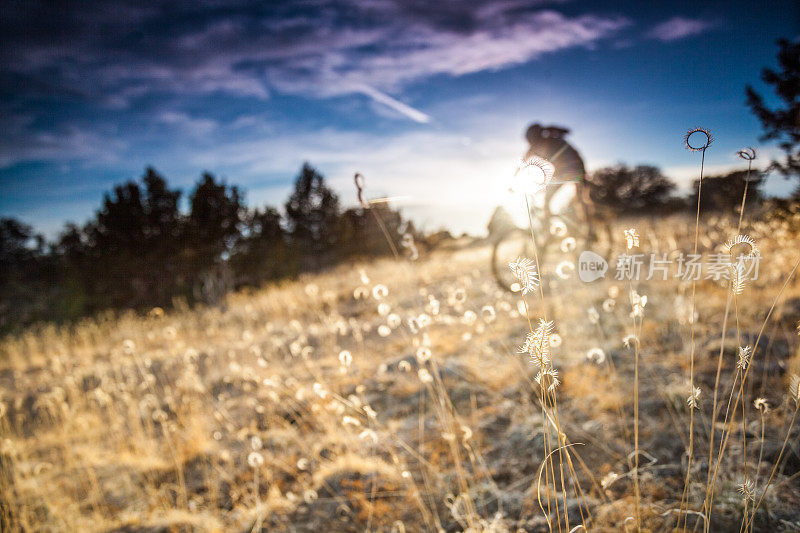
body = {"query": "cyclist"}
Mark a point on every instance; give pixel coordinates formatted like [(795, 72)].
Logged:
[(569, 180)]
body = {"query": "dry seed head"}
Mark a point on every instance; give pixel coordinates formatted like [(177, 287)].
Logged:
[(748, 154), (704, 139), (255, 459), (740, 241), (548, 377), (564, 269), (380, 291), (747, 489), (761, 404), (738, 278), (745, 352), (524, 270), (423, 354), (424, 375), (794, 388), (558, 228), (394, 320), (694, 398), (631, 238), (596, 355), (533, 175)]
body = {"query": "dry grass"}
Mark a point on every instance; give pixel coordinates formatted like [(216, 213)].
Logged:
[(245, 416)]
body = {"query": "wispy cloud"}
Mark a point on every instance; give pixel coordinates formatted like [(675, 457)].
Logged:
[(406, 110), (678, 28), (113, 57)]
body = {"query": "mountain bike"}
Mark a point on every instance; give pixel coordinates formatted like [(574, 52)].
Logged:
[(559, 229)]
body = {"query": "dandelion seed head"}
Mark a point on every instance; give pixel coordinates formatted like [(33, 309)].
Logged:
[(596, 355), (568, 244), (380, 291), (469, 317), (423, 354), (564, 269), (255, 459), (360, 293), (558, 228), (629, 340), (350, 421), (394, 321), (319, 390), (761, 404), (424, 320), (368, 434)]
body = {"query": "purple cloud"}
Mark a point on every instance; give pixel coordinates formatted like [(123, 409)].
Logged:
[(321, 49), (679, 28)]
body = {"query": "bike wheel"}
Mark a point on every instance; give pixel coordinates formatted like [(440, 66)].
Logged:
[(508, 247)]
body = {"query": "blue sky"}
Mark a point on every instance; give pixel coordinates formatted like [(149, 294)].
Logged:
[(428, 100)]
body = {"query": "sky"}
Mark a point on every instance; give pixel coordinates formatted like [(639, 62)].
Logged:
[(428, 100)]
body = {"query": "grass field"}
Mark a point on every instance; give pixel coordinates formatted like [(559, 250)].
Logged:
[(391, 396)]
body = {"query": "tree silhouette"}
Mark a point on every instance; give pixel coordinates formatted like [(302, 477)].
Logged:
[(783, 122), (631, 190), (263, 253), (214, 228), (132, 244), (724, 193), (312, 214)]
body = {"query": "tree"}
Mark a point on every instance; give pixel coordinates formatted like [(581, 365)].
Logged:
[(724, 193), (782, 123), (624, 189), (25, 275), (312, 214), (133, 250), (262, 253), (214, 228)]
